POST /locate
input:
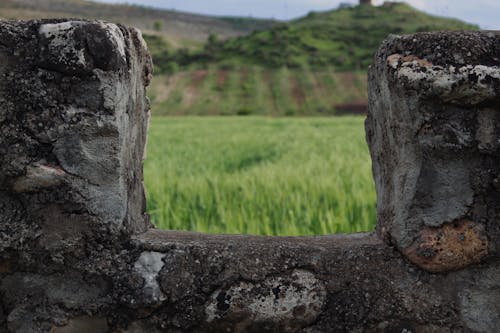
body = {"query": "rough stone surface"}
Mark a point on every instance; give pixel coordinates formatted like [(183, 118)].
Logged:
[(284, 303), (77, 253), (452, 246), (148, 266), (74, 119), (434, 135), (73, 124)]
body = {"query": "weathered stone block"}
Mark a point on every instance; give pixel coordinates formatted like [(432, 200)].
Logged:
[(73, 124), (433, 129), (75, 121), (284, 303)]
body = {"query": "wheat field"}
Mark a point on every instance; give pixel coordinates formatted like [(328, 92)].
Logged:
[(260, 175)]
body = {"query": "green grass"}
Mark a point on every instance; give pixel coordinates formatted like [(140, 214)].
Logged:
[(260, 175)]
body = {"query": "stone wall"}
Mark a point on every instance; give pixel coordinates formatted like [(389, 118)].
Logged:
[(77, 253), (434, 130)]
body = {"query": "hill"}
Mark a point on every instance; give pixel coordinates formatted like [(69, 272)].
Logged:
[(345, 38), (180, 29), (255, 90), (314, 65)]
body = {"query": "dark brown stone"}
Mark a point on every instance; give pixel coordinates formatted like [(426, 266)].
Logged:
[(452, 246)]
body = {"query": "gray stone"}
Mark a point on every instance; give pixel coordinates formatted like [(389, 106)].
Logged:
[(284, 303), (83, 324), (79, 117), (76, 47), (38, 177), (148, 266), (433, 134)]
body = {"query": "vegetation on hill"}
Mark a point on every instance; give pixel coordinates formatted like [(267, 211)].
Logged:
[(314, 65), (256, 90), (179, 28), (344, 39)]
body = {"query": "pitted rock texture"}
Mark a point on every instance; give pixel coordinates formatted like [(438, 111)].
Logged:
[(451, 246), (74, 119), (464, 85), (284, 304), (433, 130), (76, 47)]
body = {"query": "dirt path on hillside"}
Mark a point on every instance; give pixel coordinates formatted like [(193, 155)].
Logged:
[(192, 91), (221, 79), (296, 91), (164, 90)]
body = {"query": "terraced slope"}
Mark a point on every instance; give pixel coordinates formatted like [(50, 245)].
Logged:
[(256, 90)]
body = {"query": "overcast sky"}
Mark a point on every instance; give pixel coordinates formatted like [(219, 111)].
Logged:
[(486, 13)]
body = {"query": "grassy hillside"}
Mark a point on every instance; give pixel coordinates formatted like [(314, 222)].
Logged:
[(179, 28), (315, 65), (344, 39), (256, 90)]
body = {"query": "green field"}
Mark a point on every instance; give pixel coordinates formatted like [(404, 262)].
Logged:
[(260, 175)]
